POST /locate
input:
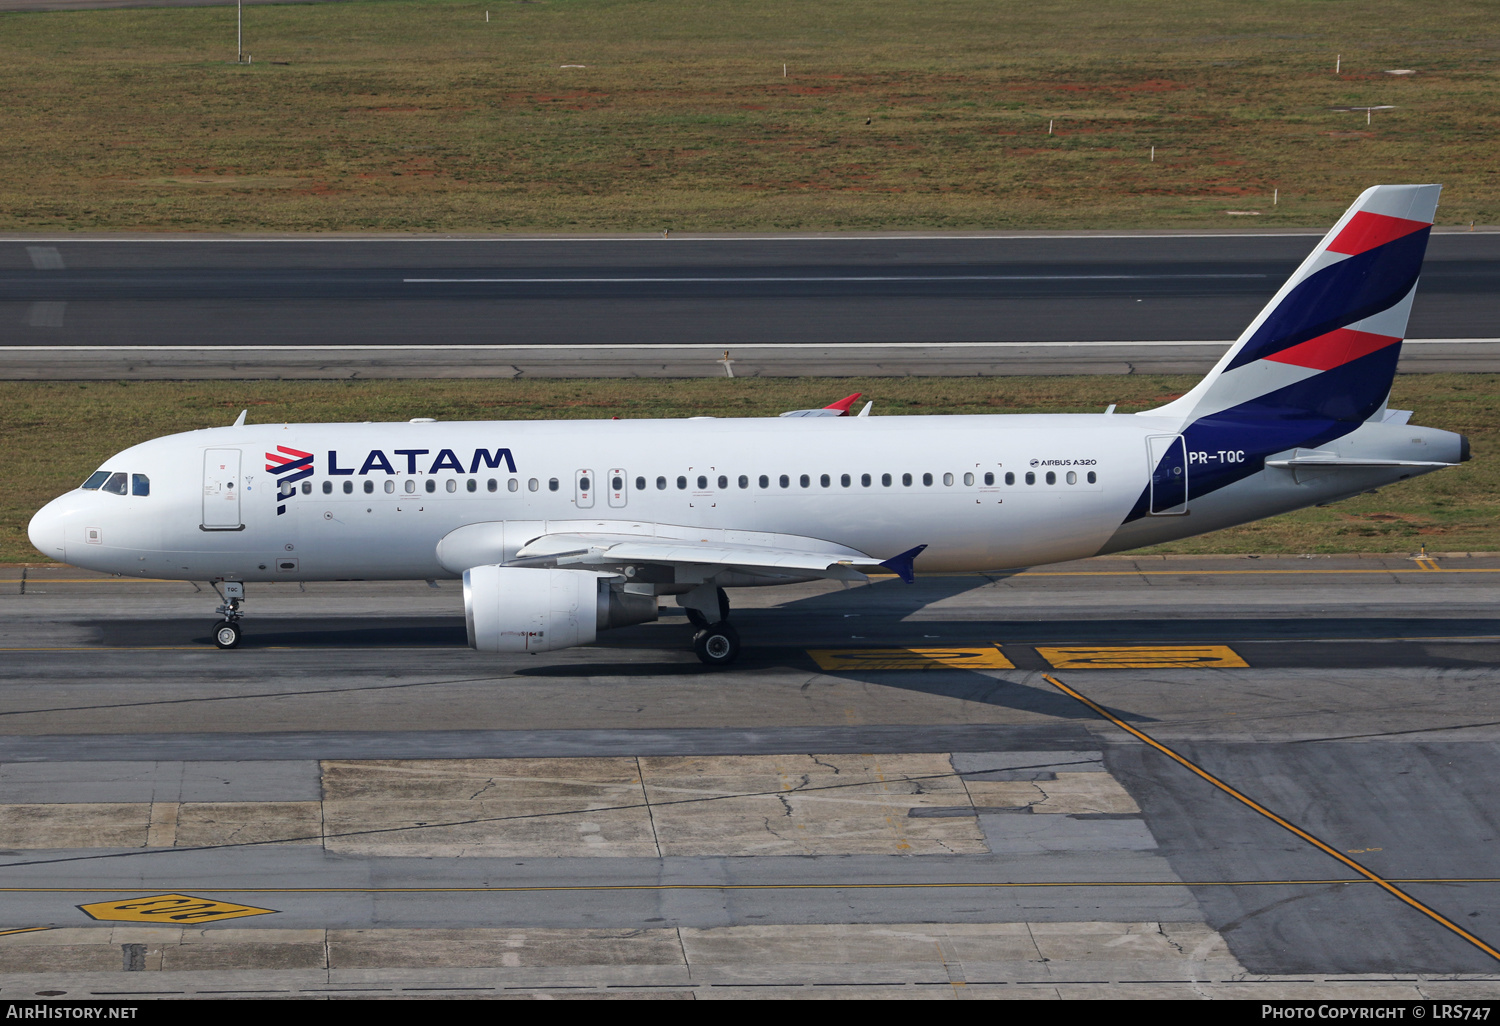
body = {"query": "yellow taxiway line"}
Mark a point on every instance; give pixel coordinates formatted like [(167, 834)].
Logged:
[(1322, 846)]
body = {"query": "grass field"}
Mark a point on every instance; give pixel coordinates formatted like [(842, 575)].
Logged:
[(402, 115), (77, 426)]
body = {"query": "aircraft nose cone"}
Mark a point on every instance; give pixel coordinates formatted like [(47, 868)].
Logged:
[(46, 532)]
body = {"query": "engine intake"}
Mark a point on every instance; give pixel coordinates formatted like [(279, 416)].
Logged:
[(527, 609)]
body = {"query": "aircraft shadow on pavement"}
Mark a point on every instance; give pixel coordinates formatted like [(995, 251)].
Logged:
[(351, 632)]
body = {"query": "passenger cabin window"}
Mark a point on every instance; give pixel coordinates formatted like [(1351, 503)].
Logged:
[(411, 486), (390, 487), (661, 484), (681, 482), (927, 480), (96, 479), (1072, 477), (948, 480), (968, 479), (1051, 477), (370, 486), (453, 484), (532, 484), (906, 480), (723, 481), (885, 480), (823, 481), (349, 487), (702, 482), (1010, 478), (805, 481), (765, 481), (989, 478), (1093, 477), (140, 484), (472, 485), (551, 484), (785, 481), (864, 480), (306, 487), (744, 482), (844, 480), (115, 485), (640, 484), (327, 487), (1030, 477)]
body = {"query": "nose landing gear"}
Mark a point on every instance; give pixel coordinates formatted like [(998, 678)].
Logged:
[(227, 630)]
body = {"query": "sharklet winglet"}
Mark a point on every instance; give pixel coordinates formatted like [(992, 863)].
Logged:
[(902, 564)]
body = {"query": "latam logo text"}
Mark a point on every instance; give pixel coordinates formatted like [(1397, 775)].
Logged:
[(289, 466), (446, 459), (292, 465)]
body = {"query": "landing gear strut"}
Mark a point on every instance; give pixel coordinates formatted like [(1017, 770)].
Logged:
[(227, 630), (716, 643)]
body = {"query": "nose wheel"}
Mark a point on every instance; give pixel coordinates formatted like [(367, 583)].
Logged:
[(227, 631), (226, 634)]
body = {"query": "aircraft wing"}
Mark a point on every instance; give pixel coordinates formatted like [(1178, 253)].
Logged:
[(750, 552)]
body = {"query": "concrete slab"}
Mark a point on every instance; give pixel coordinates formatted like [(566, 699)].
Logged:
[(82, 825), (1067, 793), (210, 823), (1026, 834), (807, 805), (904, 944), (362, 949), (487, 807), (176, 781), (976, 765)]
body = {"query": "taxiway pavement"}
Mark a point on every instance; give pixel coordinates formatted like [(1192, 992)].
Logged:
[(894, 791)]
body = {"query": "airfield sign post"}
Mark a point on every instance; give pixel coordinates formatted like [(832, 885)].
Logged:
[(239, 31)]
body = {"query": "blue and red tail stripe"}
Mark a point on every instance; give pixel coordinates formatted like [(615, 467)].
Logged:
[(1359, 286), (1320, 359)]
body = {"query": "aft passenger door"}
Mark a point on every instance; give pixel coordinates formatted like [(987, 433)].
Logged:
[(1169, 475), (221, 493)]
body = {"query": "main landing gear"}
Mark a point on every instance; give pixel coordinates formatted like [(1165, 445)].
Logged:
[(227, 630), (716, 643)]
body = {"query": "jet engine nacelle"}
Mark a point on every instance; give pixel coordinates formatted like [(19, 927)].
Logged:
[(526, 609)]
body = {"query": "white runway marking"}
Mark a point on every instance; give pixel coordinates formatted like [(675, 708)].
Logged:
[(827, 278), (678, 346)]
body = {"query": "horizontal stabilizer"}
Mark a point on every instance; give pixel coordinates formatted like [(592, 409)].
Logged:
[(838, 409), (1343, 461)]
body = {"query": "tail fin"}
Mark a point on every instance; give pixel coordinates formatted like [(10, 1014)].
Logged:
[(1323, 352)]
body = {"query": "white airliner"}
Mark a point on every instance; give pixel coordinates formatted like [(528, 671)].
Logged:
[(561, 529)]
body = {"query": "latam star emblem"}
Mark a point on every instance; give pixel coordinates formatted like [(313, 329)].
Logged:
[(289, 466)]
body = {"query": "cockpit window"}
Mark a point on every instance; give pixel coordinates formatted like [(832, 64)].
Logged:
[(96, 479), (115, 484), (140, 484)]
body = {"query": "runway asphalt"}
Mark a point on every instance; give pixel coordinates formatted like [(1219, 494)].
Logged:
[(420, 306), (900, 790)]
